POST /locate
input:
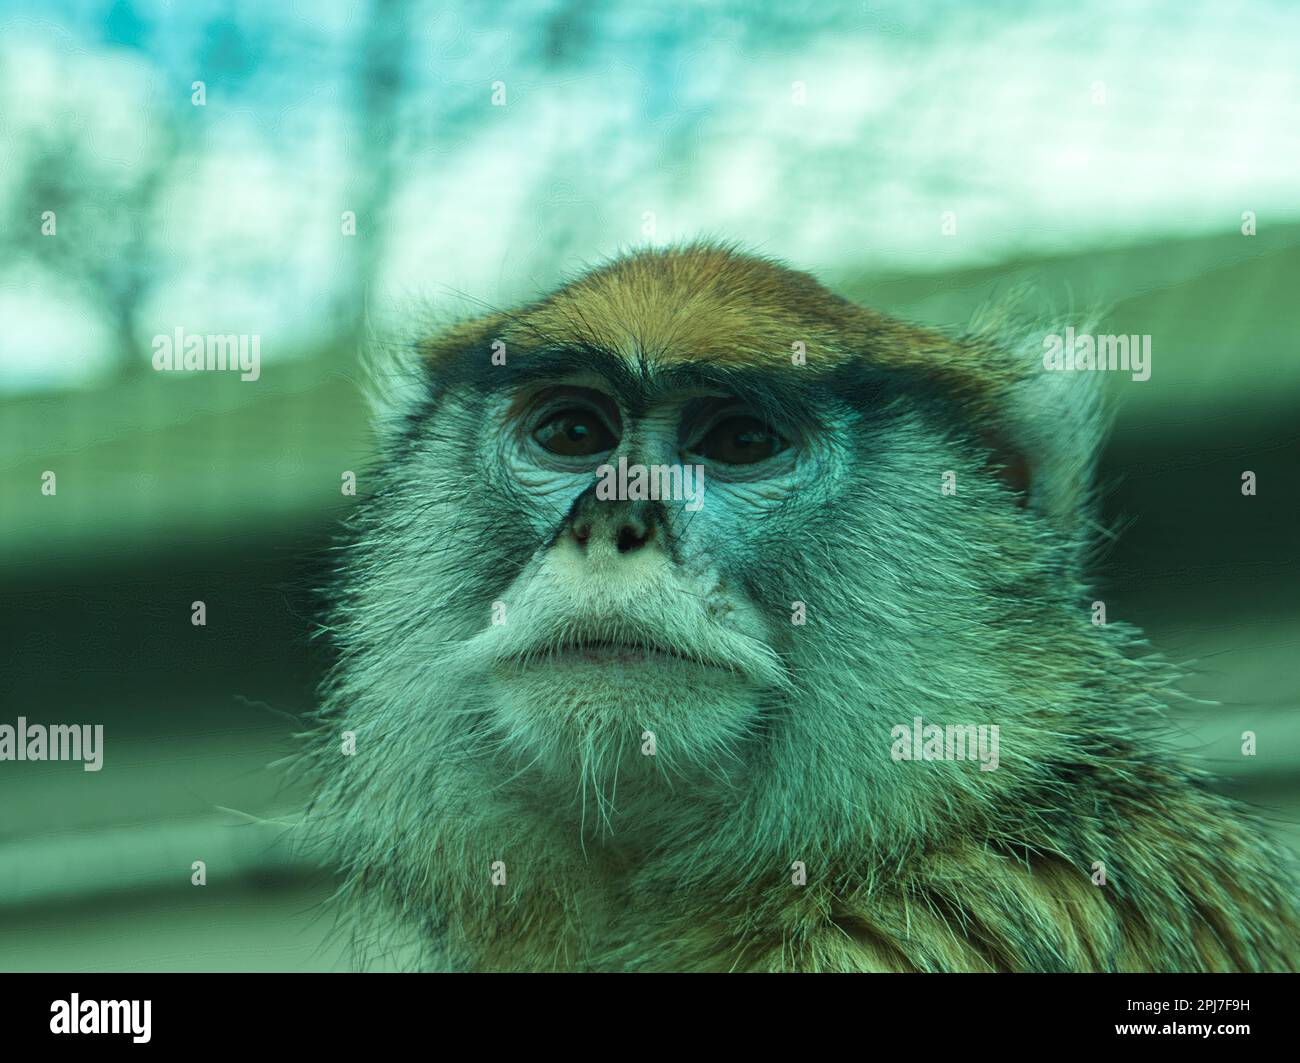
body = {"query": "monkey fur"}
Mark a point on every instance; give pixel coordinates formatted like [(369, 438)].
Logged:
[(500, 813)]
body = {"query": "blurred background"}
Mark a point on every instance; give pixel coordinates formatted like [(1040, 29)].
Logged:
[(310, 173)]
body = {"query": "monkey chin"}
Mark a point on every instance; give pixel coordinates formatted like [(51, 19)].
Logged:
[(625, 722)]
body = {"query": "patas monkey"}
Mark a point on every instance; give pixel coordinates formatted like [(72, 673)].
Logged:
[(609, 733)]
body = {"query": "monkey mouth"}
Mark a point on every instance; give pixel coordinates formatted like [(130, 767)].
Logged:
[(597, 652)]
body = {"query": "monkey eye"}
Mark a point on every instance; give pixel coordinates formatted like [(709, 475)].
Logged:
[(574, 433), (740, 440)]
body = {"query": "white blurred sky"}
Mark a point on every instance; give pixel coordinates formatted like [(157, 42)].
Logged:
[(912, 110)]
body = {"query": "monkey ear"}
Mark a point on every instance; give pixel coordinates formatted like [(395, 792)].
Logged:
[(1008, 463), (393, 381), (394, 389), (1056, 425), (1052, 424), (399, 376)]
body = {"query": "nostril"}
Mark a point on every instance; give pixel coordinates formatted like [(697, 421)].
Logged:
[(621, 525), (632, 537)]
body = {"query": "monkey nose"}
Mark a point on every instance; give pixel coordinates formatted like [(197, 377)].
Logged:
[(624, 525)]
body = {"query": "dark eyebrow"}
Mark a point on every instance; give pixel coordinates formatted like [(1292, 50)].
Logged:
[(472, 366), (791, 397), (780, 397), (554, 362)]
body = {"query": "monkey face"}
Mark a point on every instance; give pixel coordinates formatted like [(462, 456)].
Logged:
[(629, 640), (792, 579)]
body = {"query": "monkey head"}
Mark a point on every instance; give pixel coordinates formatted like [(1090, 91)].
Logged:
[(843, 521)]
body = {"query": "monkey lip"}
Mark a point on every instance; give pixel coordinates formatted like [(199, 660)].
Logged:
[(608, 651)]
